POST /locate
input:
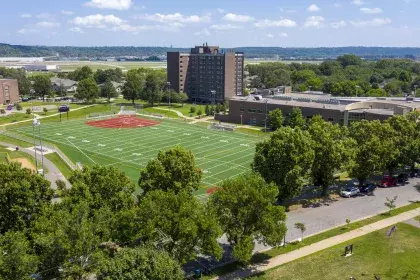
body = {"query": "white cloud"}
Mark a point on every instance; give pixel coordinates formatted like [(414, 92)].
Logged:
[(287, 10), (76, 30), (358, 2), (177, 17), (275, 23), (203, 33), (67, 13), (97, 20), (221, 11), (314, 21), (338, 24), (374, 22), (110, 4), (45, 16), (283, 35), (224, 26), (337, 5), (47, 24), (27, 31), (313, 8), (238, 18), (371, 10), (25, 15), (269, 35)]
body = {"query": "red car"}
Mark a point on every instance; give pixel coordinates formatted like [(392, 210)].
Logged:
[(388, 181)]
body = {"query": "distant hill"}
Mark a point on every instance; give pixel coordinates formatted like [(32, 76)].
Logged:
[(7, 50)]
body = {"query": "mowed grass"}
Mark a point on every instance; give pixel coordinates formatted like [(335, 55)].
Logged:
[(371, 256), (220, 155)]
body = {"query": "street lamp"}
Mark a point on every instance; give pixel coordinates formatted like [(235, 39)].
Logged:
[(37, 123), (356, 90), (168, 87), (213, 93), (241, 120)]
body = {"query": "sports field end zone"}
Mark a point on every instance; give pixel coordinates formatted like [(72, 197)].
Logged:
[(219, 154)]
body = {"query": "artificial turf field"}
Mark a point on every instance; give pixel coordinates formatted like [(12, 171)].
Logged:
[(220, 154)]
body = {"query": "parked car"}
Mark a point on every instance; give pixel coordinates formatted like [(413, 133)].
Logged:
[(402, 179), (388, 181), (415, 173), (368, 188), (349, 192)]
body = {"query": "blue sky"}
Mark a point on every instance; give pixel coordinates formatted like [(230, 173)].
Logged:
[(229, 23)]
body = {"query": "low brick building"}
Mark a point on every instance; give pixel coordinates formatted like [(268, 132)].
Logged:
[(9, 91)]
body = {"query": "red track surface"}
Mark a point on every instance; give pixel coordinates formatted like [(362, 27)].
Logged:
[(123, 122)]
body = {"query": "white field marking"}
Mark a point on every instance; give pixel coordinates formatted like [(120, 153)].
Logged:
[(244, 145), (148, 136), (59, 134), (71, 137), (230, 177), (187, 134), (154, 128), (140, 125), (206, 171), (118, 149), (85, 141), (136, 154), (207, 160), (101, 145), (224, 141), (225, 164), (82, 152), (170, 131), (204, 137)]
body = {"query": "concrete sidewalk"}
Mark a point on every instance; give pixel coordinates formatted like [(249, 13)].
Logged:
[(319, 246)]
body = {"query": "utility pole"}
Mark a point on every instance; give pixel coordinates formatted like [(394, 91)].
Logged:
[(265, 123)]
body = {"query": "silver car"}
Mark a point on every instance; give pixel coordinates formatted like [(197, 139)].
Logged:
[(349, 192)]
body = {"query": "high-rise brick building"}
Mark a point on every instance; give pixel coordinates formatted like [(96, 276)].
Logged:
[(207, 74), (9, 91)]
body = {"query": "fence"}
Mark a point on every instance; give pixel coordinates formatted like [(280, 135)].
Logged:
[(37, 142), (222, 127)]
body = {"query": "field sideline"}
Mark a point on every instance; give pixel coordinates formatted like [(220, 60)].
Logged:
[(220, 155)]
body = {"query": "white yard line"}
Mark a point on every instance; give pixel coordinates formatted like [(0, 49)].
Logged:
[(81, 151)]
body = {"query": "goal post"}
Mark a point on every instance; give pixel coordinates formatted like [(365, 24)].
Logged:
[(222, 127)]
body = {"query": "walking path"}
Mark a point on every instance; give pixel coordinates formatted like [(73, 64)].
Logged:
[(53, 174), (319, 246)]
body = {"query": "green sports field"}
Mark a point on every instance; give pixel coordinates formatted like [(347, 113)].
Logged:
[(219, 154)]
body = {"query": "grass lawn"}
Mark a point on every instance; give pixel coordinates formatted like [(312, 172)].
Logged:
[(260, 257), (18, 155), (185, 110), (417, 218), (372, 256), (152, 110), (15, 117), (10, 140), (60, 164), (220, 155)]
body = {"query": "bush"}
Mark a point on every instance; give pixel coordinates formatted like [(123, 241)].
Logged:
[(45, 110), (192, 110), (2, 111), (28, 111), (18, 107), (200, 112)]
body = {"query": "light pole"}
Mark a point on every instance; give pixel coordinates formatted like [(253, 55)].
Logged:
[(415, 90), (265, 123), (356, 90), (36, 122), (168, 87), (310, 89), (213, 92), (241, 120)]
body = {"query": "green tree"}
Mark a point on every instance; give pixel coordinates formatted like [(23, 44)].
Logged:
[(178, 97), (390, 203), (180, 223), (193, 110), (88, 90), (108, 91), (284, 159), (393, 88), (376, 93), (23, 195), (275, 119), (172, 170), (296, 119), (329, 144), (41, 85), (245, 207), (140, 263), (200, 111), (314, 84), (405, 76), (17, 261), (153, 88), (349, 59), (134, 85), (81, 74), (207, 110)]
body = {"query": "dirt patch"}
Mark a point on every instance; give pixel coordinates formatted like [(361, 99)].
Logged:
[(123, 122), (25, 163)]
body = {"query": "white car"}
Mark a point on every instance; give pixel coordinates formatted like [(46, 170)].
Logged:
[(349, 192)]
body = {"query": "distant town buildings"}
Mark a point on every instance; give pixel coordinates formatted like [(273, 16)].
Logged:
[(9, 91), (66, 85), (206, 74)]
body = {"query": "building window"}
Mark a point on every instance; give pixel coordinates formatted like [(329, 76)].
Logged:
[(242, 109), (331, 119)]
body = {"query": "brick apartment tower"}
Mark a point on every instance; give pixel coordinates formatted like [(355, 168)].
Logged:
[(9, 91), (205, 70)]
